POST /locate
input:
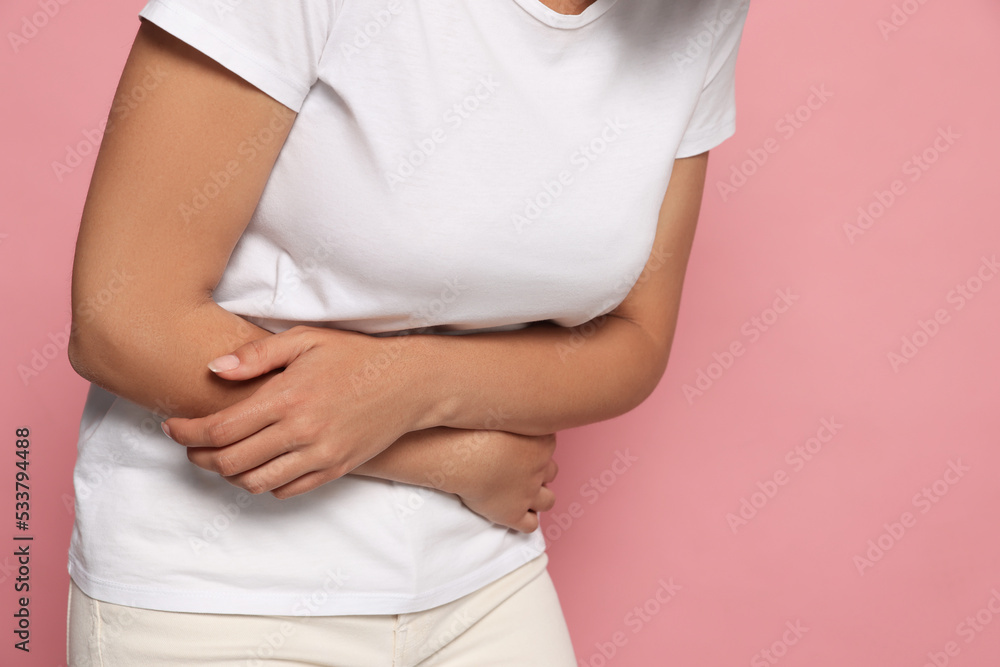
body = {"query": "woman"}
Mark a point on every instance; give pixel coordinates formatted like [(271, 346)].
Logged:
[(414, 241)]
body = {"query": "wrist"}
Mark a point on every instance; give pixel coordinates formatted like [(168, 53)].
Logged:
[(429, 377), (425, 458), (452, 472)]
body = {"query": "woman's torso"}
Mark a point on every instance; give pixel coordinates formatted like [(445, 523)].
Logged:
[(454, 167)]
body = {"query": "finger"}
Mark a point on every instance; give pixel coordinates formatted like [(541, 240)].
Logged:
[(551, 470), (261, 355), (231, 424), (544, 501), (244, 455), (304, 484), (273, 474), (528, 523)]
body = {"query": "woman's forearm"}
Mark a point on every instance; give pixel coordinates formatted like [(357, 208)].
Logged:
[(534, 381), (499, 475), (165, 372), (428, 458), (541, 379), (547, 378), (172, 380), (157, 359)]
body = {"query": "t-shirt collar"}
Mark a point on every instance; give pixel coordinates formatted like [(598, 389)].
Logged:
[(554, 19)]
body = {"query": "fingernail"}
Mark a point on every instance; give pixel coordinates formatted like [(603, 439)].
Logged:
[(225, 363), (166, 429)]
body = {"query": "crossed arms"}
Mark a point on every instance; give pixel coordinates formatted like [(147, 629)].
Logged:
[(152, 342)]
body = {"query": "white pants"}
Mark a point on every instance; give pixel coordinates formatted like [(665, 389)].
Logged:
[(516, 621)]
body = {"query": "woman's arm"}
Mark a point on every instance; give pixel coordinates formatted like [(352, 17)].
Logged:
[(532, 381), (143, 242), (547, 378), (151, 248), (498, 475), (144, 239)]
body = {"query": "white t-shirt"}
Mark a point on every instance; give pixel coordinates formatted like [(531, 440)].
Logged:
[(455, 166)]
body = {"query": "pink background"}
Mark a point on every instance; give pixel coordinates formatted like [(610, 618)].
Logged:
[(782, 227)]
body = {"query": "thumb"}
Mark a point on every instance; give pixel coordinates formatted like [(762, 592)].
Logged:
[(258, 356)]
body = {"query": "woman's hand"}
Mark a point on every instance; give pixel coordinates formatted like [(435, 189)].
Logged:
[(502, 476), (335, 405)]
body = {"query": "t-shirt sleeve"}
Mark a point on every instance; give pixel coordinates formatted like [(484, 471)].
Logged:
[(275, 45), (714, 117)]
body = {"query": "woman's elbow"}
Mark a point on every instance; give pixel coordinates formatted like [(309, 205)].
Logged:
[(99, 337), (80, 351)]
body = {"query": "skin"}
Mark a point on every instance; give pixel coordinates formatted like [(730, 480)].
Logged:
[(473, 415), (568, 6)]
